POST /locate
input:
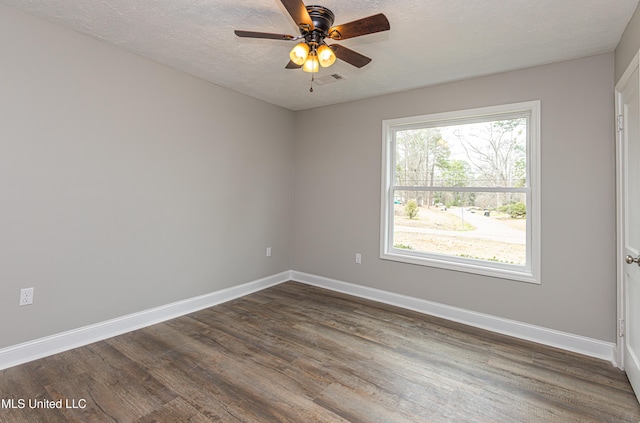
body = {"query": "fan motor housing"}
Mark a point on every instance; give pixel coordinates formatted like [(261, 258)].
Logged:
[(321, 17)]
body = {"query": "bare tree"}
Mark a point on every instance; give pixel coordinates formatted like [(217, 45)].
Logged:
[(420, 153), (496, 151)]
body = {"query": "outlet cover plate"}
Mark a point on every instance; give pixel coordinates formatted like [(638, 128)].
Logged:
[(26, 296)]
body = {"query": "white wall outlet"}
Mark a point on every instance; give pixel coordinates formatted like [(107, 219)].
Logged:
[(268, 251), (358, 258), (26, 296)]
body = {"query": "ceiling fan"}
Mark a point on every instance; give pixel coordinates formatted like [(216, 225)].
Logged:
[(316, 24)]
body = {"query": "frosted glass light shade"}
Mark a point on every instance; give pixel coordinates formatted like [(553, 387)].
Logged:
[(326, 56), (311, 65), (299, 53)]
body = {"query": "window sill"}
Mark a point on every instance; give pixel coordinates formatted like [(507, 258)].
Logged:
[(510, 272)]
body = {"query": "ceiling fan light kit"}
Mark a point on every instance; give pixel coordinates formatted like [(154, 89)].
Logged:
[(309, 57), (315, 24)]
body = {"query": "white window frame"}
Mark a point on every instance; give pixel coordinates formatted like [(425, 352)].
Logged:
[(526, 273)]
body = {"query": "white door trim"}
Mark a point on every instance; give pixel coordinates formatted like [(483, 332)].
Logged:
[(622, 83)]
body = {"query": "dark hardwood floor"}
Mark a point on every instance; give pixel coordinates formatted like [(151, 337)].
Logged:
[(297, 353)]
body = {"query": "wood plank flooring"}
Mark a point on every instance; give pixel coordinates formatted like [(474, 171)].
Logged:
[(296, 353)]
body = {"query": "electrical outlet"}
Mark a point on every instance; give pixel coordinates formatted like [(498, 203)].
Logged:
[(358, 258), (26, 296), (268, 251)]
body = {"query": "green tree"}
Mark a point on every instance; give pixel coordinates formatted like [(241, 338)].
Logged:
[(411, 208), (516, 210)]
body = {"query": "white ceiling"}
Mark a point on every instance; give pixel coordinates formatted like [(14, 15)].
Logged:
[(430, 41)]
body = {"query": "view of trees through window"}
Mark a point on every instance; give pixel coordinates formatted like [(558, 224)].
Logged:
[(460, 190)]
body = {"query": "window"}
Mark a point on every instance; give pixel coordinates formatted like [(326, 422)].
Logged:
[(460, 191)]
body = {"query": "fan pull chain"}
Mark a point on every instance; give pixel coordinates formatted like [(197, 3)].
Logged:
[(311, 89)]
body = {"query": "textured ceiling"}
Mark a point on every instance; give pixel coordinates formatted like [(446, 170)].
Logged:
[(430, 42)]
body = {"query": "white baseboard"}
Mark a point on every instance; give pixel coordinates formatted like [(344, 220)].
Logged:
[(33, 350), (566, 341), (39, 348)]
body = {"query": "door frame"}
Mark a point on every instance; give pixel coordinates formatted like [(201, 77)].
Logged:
[(621, 313)]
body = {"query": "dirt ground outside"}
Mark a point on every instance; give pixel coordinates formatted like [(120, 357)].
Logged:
[(463, 233)]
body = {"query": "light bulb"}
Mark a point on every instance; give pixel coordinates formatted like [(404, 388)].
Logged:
[(311, 64), (326, 56), (299, 53)]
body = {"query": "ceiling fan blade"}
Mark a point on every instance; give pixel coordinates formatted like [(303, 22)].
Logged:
[(364, 26), (299, 13), (267, 35), (292, 65), (352, 57)]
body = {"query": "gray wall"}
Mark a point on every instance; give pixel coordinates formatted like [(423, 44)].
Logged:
[(629, 45), (337, 197), (125, 184)]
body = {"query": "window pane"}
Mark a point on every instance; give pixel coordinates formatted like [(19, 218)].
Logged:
[(460, 191), (481, 154), (487, 226)]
